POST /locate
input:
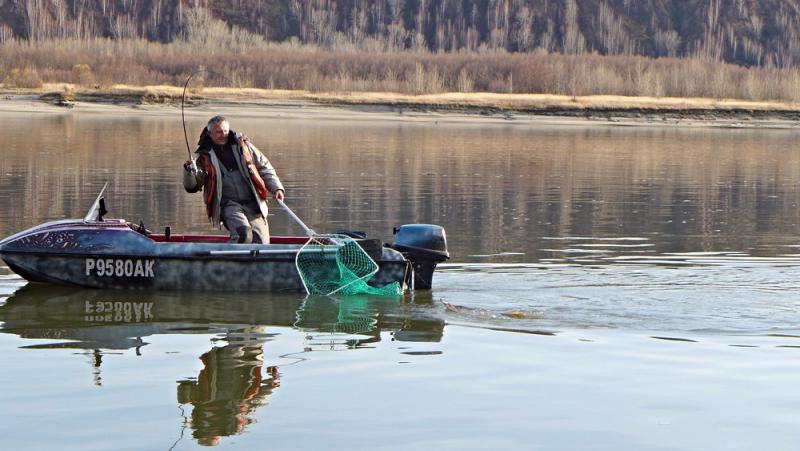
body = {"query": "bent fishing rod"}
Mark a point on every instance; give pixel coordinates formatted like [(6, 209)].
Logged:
[(183, 119), (183, 116)]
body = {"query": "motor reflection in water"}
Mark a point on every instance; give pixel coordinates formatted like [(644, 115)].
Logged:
[(234, 380)]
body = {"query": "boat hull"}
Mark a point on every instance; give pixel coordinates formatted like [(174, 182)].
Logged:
[(112, 255), (125, 272)]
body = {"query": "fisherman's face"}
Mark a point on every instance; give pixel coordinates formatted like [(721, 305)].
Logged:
[(219, 133)]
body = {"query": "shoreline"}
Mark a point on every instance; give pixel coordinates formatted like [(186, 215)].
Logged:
[(454, 107)]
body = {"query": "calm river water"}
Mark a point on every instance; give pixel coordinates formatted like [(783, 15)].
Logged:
[(610, 288)]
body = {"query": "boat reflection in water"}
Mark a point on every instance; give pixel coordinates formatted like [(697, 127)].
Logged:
[(234, 380)]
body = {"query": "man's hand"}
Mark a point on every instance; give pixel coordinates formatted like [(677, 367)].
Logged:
[(189, 166), (279, 195)]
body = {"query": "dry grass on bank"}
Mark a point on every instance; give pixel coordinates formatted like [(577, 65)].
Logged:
[(166, 94)]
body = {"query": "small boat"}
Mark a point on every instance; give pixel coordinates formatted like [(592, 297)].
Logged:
[(113, 253)]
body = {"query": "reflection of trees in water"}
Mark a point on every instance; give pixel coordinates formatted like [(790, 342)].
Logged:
[(227, 391), (506, 185), (76, 155)]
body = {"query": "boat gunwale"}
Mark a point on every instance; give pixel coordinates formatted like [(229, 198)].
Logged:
[(159, 238), (201, 255)]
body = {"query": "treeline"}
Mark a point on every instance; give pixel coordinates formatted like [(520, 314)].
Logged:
[(746, 32), (225, 58)]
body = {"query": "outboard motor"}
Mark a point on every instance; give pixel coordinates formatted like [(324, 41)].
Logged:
[(425, 246)]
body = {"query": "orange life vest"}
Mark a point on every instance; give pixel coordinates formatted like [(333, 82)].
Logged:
[(255, 177), (209, 188)]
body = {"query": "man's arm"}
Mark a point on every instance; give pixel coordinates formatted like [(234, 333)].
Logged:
[(193, 176)]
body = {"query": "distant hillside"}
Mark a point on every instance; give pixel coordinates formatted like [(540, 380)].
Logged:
[(747, 32)]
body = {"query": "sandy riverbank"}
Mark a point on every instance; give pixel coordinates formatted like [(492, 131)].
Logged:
[(452, 107)]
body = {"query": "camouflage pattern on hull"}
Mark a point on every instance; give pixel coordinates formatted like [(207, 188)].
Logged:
[(111, 254), (159, 273)]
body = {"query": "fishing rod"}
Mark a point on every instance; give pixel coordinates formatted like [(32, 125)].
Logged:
[(193, 167)]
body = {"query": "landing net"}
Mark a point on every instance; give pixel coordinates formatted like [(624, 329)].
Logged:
[(336, 264)]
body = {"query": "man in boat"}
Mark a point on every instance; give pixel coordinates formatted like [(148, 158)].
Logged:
[(236, 179)]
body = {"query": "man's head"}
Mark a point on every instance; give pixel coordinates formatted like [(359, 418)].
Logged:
[(218, 129)]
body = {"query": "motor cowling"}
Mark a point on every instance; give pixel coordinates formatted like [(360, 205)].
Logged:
[(425, 246)]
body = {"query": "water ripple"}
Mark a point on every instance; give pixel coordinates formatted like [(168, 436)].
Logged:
[(686, 292)]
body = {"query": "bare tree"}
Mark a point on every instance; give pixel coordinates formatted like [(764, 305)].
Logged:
[(574, 43), (6, 33), (613, 37), (666, 42)]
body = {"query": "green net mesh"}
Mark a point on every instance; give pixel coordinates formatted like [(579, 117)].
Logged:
[(336, 264)]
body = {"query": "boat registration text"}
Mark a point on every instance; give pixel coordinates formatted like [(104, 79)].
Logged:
[(119, 267)]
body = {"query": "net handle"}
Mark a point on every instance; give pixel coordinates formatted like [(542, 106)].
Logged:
[(308, 231)]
